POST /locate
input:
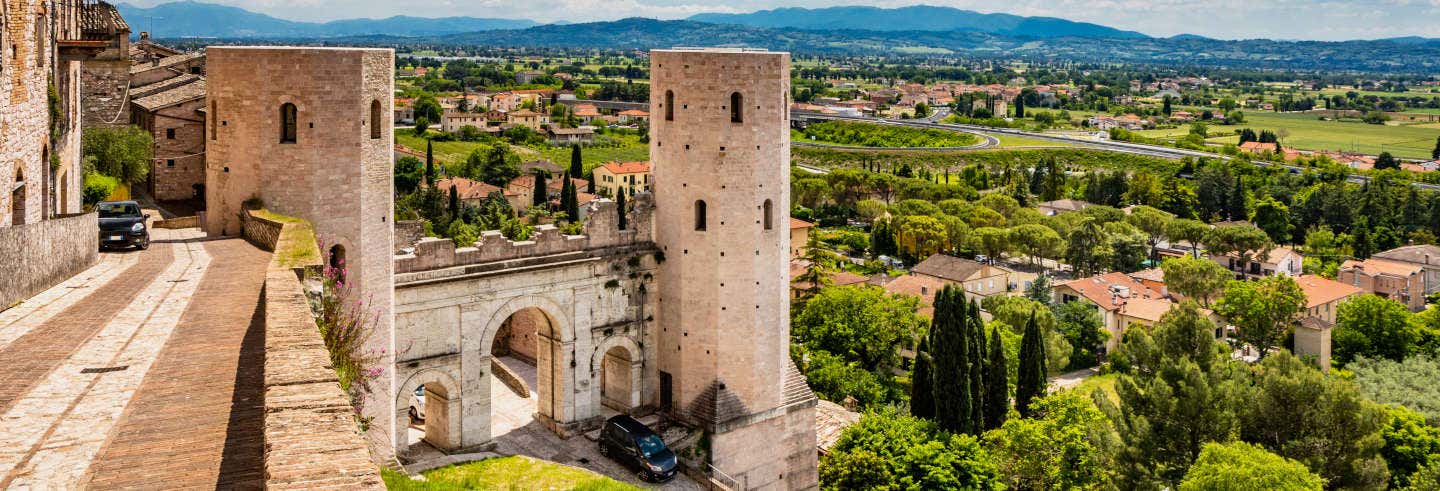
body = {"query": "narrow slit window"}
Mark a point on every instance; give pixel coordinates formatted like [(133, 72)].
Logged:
[(288, 123), (700, 215), (375, 120), (769, 208), (669, 105), (737, 107)]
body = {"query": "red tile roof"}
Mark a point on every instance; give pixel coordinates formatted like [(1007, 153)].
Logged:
[(1320, 291), (798, 223), (627, 167)]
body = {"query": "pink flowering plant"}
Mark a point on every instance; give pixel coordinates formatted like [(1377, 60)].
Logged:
[(346, 322)]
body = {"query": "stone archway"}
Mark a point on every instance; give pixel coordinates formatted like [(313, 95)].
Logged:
[(17, 197), (443, 409), (616, 369), (537, 331)]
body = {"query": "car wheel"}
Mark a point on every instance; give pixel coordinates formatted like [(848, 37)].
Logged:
[(145, 244), (643, 476)]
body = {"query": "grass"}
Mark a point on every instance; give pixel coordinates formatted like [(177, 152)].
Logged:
[(297, 246), (505, 473), (1307, 132), (456, 151), (1105, 383)]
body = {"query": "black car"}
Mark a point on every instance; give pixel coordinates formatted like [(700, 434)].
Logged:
[(633, 444), (122, 225)]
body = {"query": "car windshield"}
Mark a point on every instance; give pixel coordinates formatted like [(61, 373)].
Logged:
[(118, 210), (650, 445)]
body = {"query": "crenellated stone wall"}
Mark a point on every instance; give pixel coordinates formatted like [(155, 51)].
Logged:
[(602, 230)]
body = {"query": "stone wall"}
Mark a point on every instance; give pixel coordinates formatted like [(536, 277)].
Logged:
[(192, 221), (104, 84), (29, 190), (261, 231), (180, 161), (44, 253), (407, 233)]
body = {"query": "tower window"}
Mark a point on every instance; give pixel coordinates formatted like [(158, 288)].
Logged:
[(214, 116), (169, 133), (700, 215), (737, 105), (669, 105), (288, 123), (768, 213), (375, 120)]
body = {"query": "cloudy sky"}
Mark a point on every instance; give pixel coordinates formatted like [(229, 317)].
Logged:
[(1227, 19)]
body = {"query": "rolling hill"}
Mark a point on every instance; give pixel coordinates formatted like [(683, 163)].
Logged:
[(196, 19), (917, 18)]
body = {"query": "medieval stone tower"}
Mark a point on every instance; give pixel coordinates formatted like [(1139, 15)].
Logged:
[(309, 132), (720, 146)]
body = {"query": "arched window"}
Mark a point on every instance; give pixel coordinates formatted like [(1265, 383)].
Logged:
[(337, 257), (375, 120), (669, 105), (289, 122), (40, 45), (17, 197), (700, 215), (737, 107), (769, 208)]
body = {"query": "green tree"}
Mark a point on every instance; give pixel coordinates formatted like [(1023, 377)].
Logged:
[(1274, 218), (1410, 444), (1405, 383), (1040, 290), (920, 237), (1031, 382), (1239, 466), (911, 453), (997, 383), (1065, 445), (882, 237), (121, 153), (622, 211), (540, 195), (501, 166), (950, 331), (857, 323), (1262, 310), (1246, 242), (1080, 322), (1386, 161), (991, 241), (922, 393), (819, 259), (429, 163), (454, 204), (1089, 251), (1153, 222), (1038, 241), (408, 174), (570, 199), (1194, 278), (1435, 154), (422, 126), (577, 168), (1372, 326)]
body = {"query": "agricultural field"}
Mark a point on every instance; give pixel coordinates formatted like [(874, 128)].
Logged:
[(1306, 132), (630, 150), (881, 136)]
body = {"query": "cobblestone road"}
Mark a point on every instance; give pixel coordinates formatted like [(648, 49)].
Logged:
[(140, 372)]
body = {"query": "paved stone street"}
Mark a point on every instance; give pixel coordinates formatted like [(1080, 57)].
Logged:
[(140, 372)]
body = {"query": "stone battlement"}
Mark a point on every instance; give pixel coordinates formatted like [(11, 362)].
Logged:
[(602, 230)]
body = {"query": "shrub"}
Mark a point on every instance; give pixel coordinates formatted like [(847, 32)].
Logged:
[(97, 188)]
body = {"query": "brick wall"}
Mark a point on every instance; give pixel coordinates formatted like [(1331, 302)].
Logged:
[(44, 253), (180, 161), (261, 231)]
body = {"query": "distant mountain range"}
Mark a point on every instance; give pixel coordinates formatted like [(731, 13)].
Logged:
[(196, 19), (917, 18)]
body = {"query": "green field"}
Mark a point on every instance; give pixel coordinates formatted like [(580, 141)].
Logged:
[(504, 473), (1307, 132), (455, 151)]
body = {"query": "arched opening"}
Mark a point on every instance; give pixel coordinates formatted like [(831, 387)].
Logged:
[(616, 384), (669, 105), (337, 256), (527, 371), (17, 197), (375, 120), (430, 406), (289, 123), (700, 215), (769, 213), (737, 107)]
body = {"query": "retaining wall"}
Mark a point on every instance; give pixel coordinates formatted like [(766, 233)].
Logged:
[(41, 254)]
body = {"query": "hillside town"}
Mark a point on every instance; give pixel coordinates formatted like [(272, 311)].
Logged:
[(312, 263)]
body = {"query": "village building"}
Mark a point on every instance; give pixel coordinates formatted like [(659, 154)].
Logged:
[(1259, 264), (920, 286), (633, 116), (1121, 300), (173, 112), (453, 121), (1315, 329), (614, 178), (1052, 208), (979, 280), (1398, 281), (1426, 256), (567, 136), (527, 118), (105, 77), (799, 236)]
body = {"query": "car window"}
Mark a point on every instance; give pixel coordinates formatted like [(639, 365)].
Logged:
[(118, 210), (650, 445), (420, 391)]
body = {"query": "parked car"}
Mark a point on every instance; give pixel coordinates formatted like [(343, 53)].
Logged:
[(417, 404), (123, 225), (632, 443)]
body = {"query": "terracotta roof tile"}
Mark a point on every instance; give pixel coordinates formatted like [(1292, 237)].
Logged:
[(1320, 291), (627, 167)]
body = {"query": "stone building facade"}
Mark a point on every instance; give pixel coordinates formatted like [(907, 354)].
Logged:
[(175, 118), (719, 146), (39, 69), (105, 77), (308, 132)]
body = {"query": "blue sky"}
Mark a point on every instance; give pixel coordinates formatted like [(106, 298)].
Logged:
[(1227, 19)]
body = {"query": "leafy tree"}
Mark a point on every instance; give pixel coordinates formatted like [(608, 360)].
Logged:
[(1322, 421), (463, 234), (1372, 326), (1040, 290), (882, 237), (834, 379), (1065, 445), (1031, 382), (858, 323), (1274, 218), (408, 174), (97, 187), (501, 166), (1394, 382), (819, 260), (1244, 241), (909, 453), (1238, 466), (1194, 278), (1016, 312), (920, 237), (1237, 208), (1410, 444), (1262, 310), (1080, 322), (422, 126), (1153, 222), (922, 393), (950, 352), (1089, 251), (1386, 161), (991, 241), (1038, 241), (997, 383), (121, 153), (1128, 246)]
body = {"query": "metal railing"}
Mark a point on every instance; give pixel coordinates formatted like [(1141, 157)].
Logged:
[(723, 479)]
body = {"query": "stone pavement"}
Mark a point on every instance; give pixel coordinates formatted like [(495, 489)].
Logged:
[(141, 372)]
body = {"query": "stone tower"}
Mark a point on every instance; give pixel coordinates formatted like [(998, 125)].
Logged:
[(309, 131), (720, 146)]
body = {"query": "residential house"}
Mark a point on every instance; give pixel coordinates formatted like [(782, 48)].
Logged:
[(1259, 264), (921, 286), (525, 117), (1402, 282), (837, 278), (799, 236), (167, 68), (523, 188), (527, 76), (1424, 255), (1317, 324), (1259, 147), (474, 193), (452, 121), (586, 113), (613, 178), (979, 280), (1121, 300), (632, 116), (172, 111), (1052, 208), (566, 136)]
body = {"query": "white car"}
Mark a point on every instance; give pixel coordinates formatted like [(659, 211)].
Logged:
[(417, 404)]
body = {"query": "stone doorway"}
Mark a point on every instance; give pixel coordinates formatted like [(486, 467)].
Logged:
[(527, 369)]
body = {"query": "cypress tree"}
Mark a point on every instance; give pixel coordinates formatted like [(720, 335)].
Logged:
[(1030, 382), (429, 163), (1019, 109), (952, 399), (922, 397), (975, 360), (454, 203), (541, 194), (569, 200), (620, 208), (997, 383), (576, 169), (1236, 206)]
